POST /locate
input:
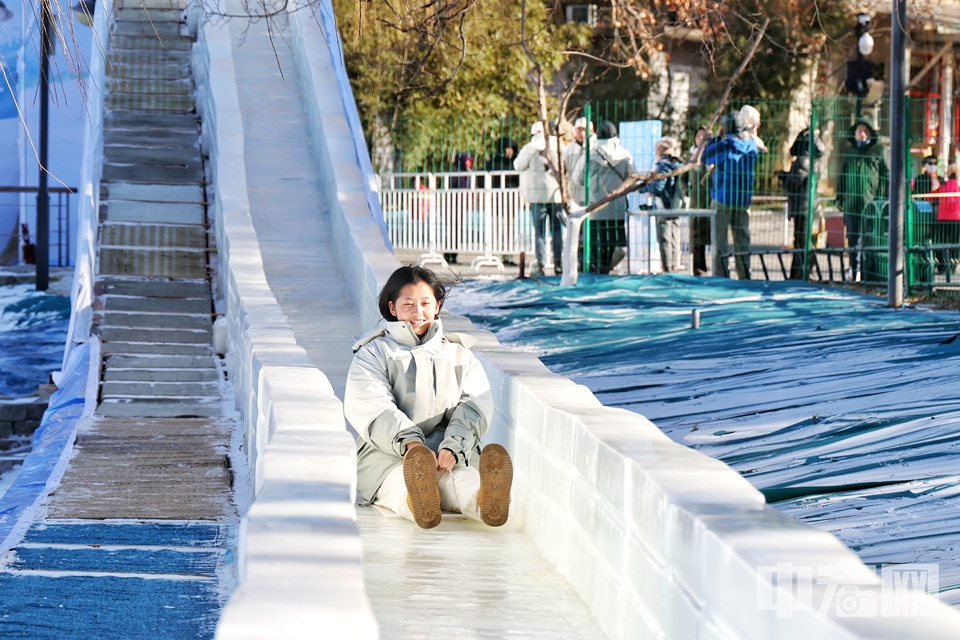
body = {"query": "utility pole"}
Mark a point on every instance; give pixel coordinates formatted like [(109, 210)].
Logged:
[(898, 89), (43, 197)]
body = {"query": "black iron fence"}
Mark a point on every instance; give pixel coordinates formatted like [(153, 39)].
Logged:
[(18, 207)]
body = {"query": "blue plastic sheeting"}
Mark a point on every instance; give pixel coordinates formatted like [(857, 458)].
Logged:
[(150, 573), (106, 608), (845, 413), (33, 328), (165, 561), (55, 434), (138, 534)]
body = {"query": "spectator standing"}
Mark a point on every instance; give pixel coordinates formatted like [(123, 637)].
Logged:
[(928, 182), (462, 163), (668, 195), (610, 165), (948, 220), (796, 184), (698, 190), (863, 179), (502, 160), (734, 156), (573, 153), (543, 193)]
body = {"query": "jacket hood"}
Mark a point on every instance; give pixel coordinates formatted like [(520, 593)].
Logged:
[(874, 138), (740, 144), (607, 145)]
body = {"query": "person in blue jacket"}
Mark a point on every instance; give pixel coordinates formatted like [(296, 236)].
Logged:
[(734, 156)]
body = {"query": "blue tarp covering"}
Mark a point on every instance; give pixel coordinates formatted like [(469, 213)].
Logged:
[(844, 412), (55, 434)]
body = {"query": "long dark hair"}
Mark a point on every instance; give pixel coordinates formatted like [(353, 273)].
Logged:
[(409, 274)]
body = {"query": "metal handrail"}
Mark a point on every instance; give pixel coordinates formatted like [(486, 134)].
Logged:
[(63, 219), (674, 213)]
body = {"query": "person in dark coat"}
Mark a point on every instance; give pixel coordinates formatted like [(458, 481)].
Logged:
[(698, 190), (502, 160), (462, 163), (863, 179), (796, 184)]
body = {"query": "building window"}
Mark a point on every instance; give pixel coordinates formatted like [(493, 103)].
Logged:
[(582, 13)]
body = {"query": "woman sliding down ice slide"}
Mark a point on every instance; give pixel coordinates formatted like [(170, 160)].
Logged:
[(421, 401)]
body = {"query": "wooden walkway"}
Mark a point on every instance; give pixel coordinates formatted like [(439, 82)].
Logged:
[(135, 540)]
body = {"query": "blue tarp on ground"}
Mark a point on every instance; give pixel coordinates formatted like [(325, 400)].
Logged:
[(844, 412), (51, 440)]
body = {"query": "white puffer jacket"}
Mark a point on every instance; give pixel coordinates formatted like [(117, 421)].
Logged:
[(537, 180), (610, 165), (402, 389), (571, 156)]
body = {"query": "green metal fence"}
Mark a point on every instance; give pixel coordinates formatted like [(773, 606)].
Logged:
[(453, 144), (827, 225), (832, 224)]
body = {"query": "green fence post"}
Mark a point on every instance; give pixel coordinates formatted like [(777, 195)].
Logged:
[(586, 199), (812, 177), (909, 256)]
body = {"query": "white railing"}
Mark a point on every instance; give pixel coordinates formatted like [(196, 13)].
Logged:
[(468, 212)]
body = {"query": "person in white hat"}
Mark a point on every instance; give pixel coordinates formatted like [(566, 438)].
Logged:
[(572, 154), (541, 189)]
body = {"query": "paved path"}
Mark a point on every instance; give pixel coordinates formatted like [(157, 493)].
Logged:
[(503, 586), (135, 542)]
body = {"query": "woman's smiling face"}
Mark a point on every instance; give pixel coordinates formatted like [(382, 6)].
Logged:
[(417, 305)]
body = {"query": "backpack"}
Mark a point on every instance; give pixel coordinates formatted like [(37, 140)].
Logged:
[(670, 191)]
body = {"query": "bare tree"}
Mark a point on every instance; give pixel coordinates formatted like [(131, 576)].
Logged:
[(636, 37)]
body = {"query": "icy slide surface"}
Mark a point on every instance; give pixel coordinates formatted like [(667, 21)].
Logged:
[(843, 412)]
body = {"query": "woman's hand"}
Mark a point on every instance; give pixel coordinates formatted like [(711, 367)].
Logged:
[(446, 460), (413, 444)]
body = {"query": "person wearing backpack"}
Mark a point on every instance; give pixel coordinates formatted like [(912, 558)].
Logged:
[(610, 165), (668, 195), (796, 186)]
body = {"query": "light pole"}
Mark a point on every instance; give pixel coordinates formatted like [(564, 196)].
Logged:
[(898, 90), (860, 70), (43, 197)]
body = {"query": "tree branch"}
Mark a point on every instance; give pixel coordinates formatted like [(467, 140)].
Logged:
[(636, 182)]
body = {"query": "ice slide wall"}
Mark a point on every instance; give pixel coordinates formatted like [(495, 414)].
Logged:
[(659, 540)]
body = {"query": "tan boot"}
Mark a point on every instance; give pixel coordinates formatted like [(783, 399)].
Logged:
[(496, 476), (420, 476)]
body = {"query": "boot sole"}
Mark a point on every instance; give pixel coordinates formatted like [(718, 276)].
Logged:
[(496, 477), (420, 476)]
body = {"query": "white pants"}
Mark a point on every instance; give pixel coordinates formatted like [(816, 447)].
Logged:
[(458, 492)]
